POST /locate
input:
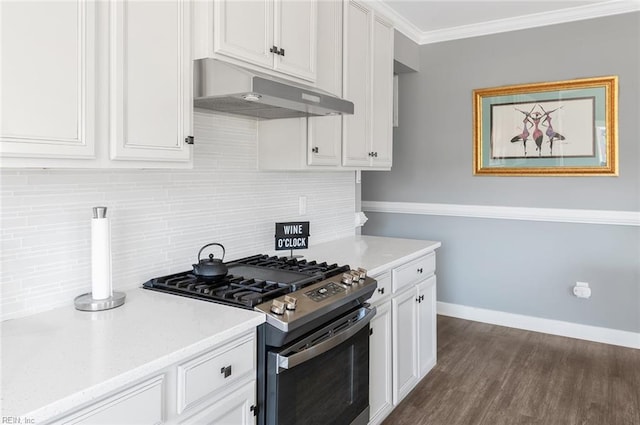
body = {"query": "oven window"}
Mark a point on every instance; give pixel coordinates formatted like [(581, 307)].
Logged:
[(332, 388)]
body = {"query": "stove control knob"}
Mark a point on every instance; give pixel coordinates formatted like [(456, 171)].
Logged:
[(347, 279), (278, 307), (290, 302), (356, 276), (363, 273)]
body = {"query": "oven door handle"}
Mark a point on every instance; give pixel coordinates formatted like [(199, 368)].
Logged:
[(289, 362)]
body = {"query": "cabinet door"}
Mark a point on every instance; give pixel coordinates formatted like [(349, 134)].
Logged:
[(138, 404), (244, 30), (427, 326), (295, 35), (48, 79), (382, 106), (357, 84), (235, 408), (405, 362), (380, 401), (150, 81), (324, 140)]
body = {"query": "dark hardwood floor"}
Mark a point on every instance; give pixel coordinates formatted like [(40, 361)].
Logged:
[(493, 375)]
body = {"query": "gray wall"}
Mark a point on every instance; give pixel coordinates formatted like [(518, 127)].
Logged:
[(518, 266)]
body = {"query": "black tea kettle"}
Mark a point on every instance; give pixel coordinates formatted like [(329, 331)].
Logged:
[(210, 268)]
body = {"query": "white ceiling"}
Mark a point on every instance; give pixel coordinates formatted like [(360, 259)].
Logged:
[(427, 21)]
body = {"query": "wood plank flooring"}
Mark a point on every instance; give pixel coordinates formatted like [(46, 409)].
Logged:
[(493, 375)]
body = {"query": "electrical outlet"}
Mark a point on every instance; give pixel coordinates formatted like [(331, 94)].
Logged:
[(582, 290), (302, 205)]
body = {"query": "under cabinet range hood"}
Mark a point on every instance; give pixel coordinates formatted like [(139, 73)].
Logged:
[(230, 89)]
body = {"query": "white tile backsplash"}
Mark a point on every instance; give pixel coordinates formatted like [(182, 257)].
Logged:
[(159, 218)]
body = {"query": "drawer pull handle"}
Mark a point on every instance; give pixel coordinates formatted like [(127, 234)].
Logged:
[(420, 270), (381, 290), (226, 371)]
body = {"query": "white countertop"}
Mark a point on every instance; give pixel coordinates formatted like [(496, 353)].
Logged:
[(54, 361), (373, 253)]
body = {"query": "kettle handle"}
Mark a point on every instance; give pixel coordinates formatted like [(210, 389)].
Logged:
[(211, 244)]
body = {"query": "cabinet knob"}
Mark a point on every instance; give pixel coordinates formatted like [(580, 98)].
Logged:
[(381, 290), (281, 52), (375, 154), (189, 140), (421, 298), (226, 371), (420, 270), (274, 49), (315, 150)]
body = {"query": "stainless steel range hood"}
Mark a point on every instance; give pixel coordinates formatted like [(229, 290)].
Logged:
[(226, 88)]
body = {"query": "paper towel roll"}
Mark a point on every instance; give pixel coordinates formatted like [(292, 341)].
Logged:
[(100, 257)]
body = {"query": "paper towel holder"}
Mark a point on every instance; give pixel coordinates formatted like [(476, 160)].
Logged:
[(86, 302)]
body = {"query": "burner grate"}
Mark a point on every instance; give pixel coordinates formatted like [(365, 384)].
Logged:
[(251, 280), (324, 269)]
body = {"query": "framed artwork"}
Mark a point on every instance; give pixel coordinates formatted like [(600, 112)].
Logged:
[(563, 128)]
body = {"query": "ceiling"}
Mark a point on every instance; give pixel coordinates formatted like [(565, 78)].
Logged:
[(427, 21)]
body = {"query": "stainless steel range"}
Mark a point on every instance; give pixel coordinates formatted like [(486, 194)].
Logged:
[(313, 350)]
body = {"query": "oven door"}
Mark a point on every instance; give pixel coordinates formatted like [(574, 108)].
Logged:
[(323, 378)]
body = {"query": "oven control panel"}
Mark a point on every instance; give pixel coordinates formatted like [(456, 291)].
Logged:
[(325, 291)]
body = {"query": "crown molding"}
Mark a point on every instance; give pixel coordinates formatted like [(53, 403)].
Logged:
[(614, 7)]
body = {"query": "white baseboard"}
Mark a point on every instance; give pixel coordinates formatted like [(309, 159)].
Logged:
[(538, 324)]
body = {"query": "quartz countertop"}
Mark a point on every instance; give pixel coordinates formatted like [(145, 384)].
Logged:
[(374, 253), (54, 361)]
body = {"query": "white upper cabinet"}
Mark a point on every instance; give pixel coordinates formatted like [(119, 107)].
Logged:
[(150, 80), (382, 94), (48, 79), (368, 83), (90, 84), (314, 142), (277, 35)]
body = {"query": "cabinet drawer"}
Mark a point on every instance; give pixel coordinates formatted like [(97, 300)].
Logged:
[(384, 287), (414, 271), (138, 404), (209, 372)]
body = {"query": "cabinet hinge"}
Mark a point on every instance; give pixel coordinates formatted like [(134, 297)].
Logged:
[(189, 140), (254, 408)]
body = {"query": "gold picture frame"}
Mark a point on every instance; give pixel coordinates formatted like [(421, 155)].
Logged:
[(562, 128)]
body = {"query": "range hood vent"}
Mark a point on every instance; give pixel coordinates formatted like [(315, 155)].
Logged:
[(230, 89)]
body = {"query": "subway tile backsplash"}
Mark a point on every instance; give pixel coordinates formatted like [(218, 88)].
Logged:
[(159, 218)]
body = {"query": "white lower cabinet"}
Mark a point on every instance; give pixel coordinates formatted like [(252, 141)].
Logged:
[(426, 328), (235, 408), (217, 386), (403, 337), (380, 400), (139, 404), (414, 336), (405, 362)]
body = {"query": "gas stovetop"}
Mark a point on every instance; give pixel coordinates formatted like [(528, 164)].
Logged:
[(250, 281)]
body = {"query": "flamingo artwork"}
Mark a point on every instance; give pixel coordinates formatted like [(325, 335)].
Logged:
[(551, 133), (526, 124), (536, 117)]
